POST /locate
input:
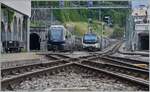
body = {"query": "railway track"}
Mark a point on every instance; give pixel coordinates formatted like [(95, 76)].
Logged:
[(119, 62), (16, 71), (107, 56), (133, 74), (142, 82), (8, 82), (144, 64), (101, 65), (133, 53), (10, 74), (137, 73), (115, 66), (11, 83), (114, 60), (134, 61)]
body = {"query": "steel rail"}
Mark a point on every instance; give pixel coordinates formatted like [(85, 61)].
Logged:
[(143, 74), (16, 79), (121, 62), (133, 53), (123, 76), (19, 69)]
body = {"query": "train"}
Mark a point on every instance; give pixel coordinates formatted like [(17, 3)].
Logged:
[(11, 46), (57, 38), (90, 41)]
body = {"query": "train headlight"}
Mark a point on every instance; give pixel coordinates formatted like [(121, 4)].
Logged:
[(96, 45), (84, 45)]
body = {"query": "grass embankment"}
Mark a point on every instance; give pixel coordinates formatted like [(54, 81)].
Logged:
[(82, 27), (79, 27)]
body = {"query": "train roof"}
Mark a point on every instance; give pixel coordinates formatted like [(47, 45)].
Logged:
[(57, 26), (89, 34)]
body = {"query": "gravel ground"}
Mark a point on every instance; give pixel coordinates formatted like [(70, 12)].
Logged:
[(71, 78)]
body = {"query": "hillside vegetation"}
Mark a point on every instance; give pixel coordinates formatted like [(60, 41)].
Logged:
[(79, 19)]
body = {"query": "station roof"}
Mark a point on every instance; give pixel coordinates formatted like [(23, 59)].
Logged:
[(57, 26), (22, 6)]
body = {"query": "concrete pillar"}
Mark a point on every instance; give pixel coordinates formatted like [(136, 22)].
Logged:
[(21, 31), (100, 20), (6, 31), (12, 31), (51, 17), (17, 29), (28, 34), (0, 31)]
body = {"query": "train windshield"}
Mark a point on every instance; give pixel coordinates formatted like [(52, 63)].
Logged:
[(56, 34), (90, 38)]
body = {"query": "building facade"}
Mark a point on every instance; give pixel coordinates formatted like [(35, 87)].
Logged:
[(137, 32), (15, 22)]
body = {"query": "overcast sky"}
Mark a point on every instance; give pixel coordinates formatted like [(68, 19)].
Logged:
[(136, 3)]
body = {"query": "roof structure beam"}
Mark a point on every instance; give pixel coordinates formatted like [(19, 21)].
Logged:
[(82, 0), (70, 8)]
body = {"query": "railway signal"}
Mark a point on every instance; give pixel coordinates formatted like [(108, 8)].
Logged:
[(108, 20)]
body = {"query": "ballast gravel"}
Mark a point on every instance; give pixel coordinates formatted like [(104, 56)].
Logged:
[(70, 79)]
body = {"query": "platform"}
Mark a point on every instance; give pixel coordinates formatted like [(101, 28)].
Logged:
[(18, 56), (123, 51), (74, 54)]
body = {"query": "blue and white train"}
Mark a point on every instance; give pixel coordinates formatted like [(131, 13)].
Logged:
[(90, 41), (56, 37)]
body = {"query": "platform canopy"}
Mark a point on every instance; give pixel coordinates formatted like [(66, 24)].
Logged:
[(22, 6)]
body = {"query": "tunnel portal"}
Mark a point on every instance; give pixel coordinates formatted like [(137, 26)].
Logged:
[(144, 41), (34, 41)]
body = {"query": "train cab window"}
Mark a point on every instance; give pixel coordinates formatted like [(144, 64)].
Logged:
[(90, 38), (56, 33)]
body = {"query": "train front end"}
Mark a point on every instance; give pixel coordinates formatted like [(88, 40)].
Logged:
[(56, 37), (90, 42)]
